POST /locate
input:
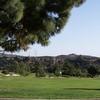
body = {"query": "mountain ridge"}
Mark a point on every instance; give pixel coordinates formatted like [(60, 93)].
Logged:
[(68, 55), (78, 64)]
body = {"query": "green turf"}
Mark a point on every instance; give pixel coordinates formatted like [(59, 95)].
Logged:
[(30, 87)]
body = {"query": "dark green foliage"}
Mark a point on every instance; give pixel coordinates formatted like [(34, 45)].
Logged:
[(11, 66), (68, 69), (84, 72), (22, 69), (24, 22), (58, 70), (93, 71), (11, 12), (41, 66), (39, 70), (5, 72)]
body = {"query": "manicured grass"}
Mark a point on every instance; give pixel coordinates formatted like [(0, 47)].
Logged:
[(31, 87)]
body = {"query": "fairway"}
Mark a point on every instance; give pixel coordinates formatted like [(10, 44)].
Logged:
[(49, 88)]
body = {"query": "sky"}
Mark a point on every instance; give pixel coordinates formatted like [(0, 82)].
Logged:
[(81, 35)]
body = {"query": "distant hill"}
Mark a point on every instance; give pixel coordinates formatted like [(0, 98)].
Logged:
[(81, 59), (78, 61), (60, 57)]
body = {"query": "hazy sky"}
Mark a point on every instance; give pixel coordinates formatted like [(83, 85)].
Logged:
[(81, 35)]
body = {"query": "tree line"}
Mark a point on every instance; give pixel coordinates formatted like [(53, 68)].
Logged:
[(77, 68)]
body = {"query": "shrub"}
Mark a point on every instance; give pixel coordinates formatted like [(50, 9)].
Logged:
[(5, 72)]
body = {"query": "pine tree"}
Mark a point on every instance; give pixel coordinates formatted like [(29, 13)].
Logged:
[(24, 22)]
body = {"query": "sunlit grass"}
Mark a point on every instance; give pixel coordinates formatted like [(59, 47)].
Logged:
[(31, 87)]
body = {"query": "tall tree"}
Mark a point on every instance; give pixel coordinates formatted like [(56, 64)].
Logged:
[(24, 22)]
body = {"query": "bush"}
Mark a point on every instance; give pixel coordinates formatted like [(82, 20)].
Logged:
[(23, 69), (5, 72), (40, 74)]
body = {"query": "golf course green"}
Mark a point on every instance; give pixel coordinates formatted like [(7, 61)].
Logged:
[(49, 88)]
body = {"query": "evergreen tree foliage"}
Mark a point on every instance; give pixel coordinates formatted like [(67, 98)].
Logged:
[(24, 22), (22, 69), (39, 70), (68, 69)]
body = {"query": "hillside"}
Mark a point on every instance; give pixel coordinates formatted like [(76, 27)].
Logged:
[(50, 64)]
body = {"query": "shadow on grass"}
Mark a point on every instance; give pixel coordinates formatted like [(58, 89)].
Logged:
[(89, 89)]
